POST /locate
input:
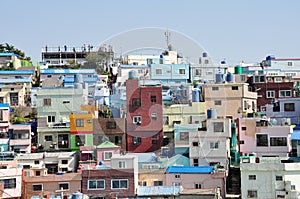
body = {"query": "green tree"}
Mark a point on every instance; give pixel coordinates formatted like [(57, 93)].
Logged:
[(10, 48)]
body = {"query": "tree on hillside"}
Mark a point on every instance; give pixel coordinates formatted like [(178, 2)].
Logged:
[(10, 48)]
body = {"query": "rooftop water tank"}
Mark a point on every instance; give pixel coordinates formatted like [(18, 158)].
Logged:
[(238, 69), (211, 113), (223, 62), (220, 77), (196, 95), (204, 54), (230, 77), (132, 75)]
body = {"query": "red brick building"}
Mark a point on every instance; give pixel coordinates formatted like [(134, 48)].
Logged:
[(144, 125), (108, 183), (269, 88)]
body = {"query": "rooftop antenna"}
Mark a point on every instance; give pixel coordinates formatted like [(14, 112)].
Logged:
[(168, 35)]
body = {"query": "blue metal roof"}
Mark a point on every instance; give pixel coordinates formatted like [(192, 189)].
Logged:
[(85, 79), (185, 169), (67, 71), (8, 54), (16, 72), (133, 66), (15, 80), (5, 105), (296, 135), (158, 190)]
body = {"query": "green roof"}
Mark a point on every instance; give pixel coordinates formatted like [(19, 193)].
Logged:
[(107, 144)]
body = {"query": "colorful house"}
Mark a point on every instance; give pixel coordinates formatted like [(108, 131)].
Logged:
[(105, 151), (20, 138), (4, 127), (144, 115)]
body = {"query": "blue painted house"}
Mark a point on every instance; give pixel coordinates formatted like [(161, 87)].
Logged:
[(170, 74)]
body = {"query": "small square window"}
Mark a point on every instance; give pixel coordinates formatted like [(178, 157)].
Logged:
[(177, 176), (136, 102), (218, 102), (36, 162), (153, 98), (234, 88), (252, 177), (279, 178), (195, 143), (64, 161)]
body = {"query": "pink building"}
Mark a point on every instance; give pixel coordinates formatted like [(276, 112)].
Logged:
[(20, 138), (200, 177), (105, 152), (4, 126), (257, 135)]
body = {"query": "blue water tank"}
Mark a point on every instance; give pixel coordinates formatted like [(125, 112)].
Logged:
[(196, 95), (211, 113), (230, 77), (204, 54), (132, 75), (220, 77), (223, 62)]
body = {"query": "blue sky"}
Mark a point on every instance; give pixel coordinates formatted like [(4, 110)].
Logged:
[(236, 30)]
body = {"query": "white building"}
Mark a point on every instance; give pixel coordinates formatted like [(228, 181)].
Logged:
[(11, 177), (211, 144), (269, 178)]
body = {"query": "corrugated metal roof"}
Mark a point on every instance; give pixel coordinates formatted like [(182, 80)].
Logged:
[(107, 144), (185, 169), (67, 71), (16, 72), (85, 79), (15, 80), (158, 190), (5, 105), (8, 54)]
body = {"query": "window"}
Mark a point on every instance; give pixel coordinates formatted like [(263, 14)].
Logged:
[(122, 164), (252, 177), (51, 118), (259, 79), (79, 122), (206, 61), (215, 88), (111, 125), (119, 184), (195, 144), (262, 140), (64, 161), (153, 116), (47, 102), (182, 71), (242, 142), (289, 107), (293, 187), (107, 155), (37, 173), (197, 186), (234, 88), (177, 184), (142, 183), (96, 184), (244, 128), (214, 145), (137, 120), (63, 185), (278, 141), (158, 183), (218, 127), (184, 135), (278, 178), (218, 102), (252, 194), (285, 93), (165, 120), (9, 183), (48, 138), (270, 94), (37, 187), (66, 102), (158, 71), (36, 162), (136, 102), (197, 72), (195, 162), (118, 139), (278, 79), (80, 140), (137, 140), (243, 78), (177, 176), (290, 63), (153, 98)]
